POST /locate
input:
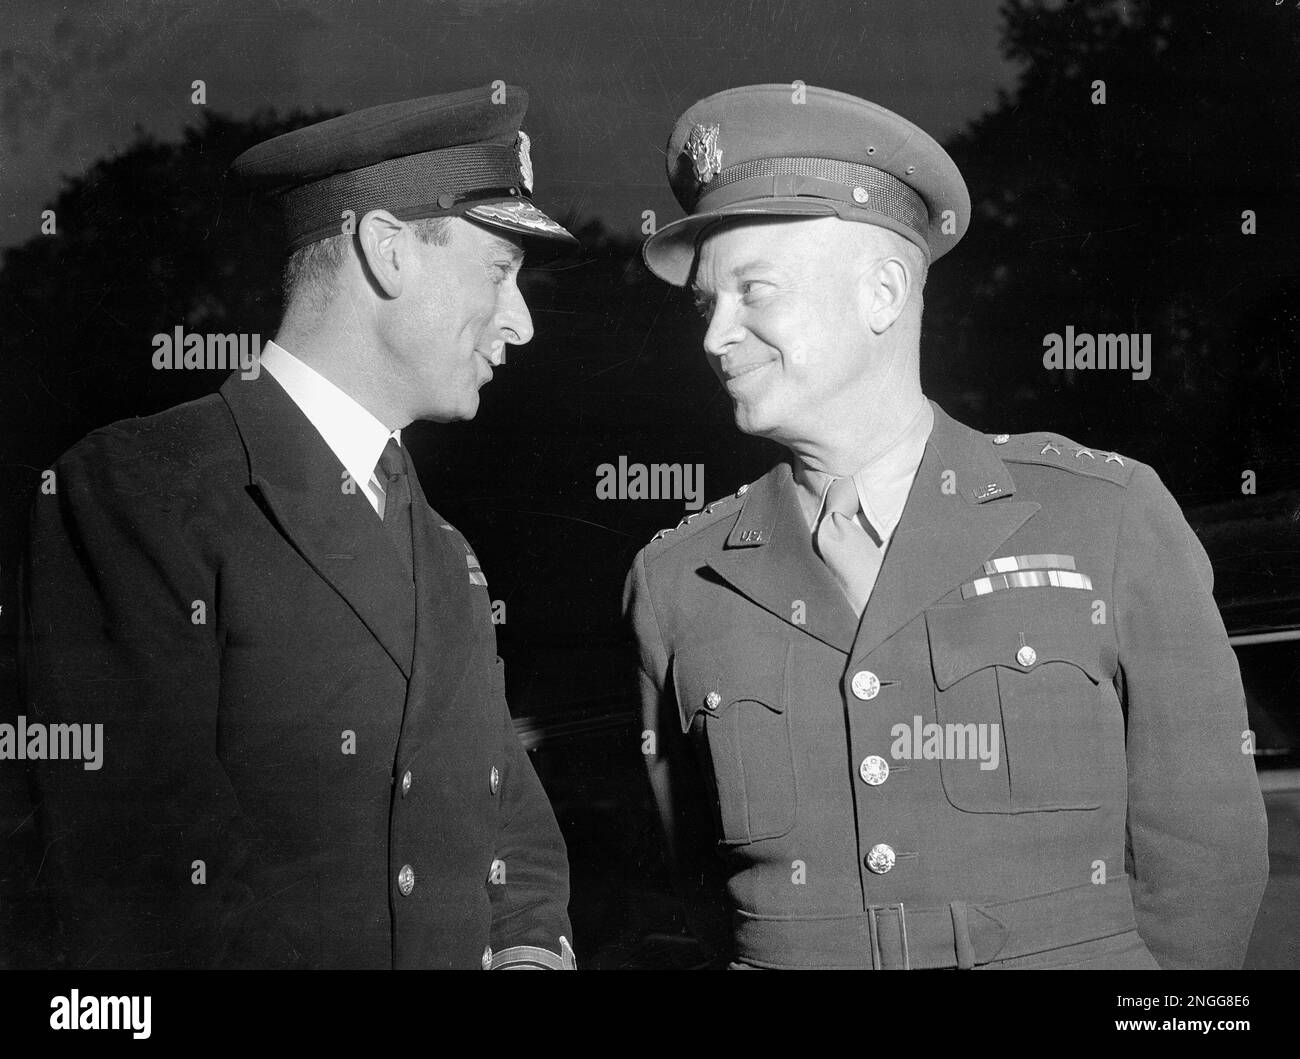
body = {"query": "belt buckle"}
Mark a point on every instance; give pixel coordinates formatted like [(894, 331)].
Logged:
[(873, 928)]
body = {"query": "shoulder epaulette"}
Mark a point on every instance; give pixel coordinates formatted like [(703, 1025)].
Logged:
[(697, 520), (1055, 450)]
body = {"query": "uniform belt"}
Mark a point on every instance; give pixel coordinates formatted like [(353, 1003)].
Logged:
[(960, 934)]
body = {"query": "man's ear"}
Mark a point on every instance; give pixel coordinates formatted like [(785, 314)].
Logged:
[(884, 289), (384, 244)]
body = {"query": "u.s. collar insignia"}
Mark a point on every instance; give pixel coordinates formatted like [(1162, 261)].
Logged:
[(525, 160), (705, 154)]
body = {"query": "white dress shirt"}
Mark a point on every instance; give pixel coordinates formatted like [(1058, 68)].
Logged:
[(355, 436)]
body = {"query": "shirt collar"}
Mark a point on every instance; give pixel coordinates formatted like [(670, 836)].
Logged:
[(355, 436), (883, 483)]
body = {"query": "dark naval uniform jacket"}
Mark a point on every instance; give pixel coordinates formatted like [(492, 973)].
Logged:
[(820, 777), (308, 759)]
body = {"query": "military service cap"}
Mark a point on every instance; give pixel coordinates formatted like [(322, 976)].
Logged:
[(800, 151), (460, 154)]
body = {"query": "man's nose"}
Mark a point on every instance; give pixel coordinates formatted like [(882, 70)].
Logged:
[(723, 331), (514, 320)]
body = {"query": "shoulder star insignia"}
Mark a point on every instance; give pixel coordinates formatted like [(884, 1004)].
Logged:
[(1115, 457), (1049, 447), (1084, 452)]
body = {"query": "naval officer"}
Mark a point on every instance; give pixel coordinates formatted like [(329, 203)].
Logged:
[(309, 758), (919, 696)]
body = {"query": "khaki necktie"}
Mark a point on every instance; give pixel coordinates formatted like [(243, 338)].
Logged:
[(850, 551), (391, 472)]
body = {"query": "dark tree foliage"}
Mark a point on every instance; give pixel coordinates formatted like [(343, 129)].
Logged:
[(1127, 217)]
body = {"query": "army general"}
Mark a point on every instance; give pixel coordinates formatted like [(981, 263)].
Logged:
[(309, 759), (920, 696)]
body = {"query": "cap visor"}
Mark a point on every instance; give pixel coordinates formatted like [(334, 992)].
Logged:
[(521, 217), (670, 252)]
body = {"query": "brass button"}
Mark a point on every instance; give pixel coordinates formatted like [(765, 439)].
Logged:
[(406, 880), (860, 195), (494, 779), (406, 783), (712, 700), (1001, 439), (874, 770), (880, 859), (487, 958), (1026, 656), (866, 685)]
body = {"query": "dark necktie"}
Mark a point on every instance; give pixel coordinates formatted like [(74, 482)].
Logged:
[(391, 472)]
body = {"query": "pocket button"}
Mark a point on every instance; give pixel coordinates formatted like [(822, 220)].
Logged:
[(1026, 656)]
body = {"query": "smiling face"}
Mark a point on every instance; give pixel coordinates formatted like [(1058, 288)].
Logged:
[(458, 308), (788, 334)]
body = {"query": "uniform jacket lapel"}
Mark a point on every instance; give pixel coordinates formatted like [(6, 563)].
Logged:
[(444, 599), (298, 480), (950, 524), (768, 556), (957, 515)]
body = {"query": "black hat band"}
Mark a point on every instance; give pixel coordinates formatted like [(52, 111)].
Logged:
[(864, 187), (429, 184)]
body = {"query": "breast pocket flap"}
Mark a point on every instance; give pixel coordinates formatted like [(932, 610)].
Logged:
[(965, 639), (714, 682)]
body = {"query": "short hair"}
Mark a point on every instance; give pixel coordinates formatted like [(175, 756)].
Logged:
[(885, 240), (312, 270)]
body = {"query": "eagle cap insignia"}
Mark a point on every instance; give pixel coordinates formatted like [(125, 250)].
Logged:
[(705, 154), (522, 146)]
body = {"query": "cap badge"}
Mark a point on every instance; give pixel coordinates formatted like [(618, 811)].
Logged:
[(706, 155), (525, 160)]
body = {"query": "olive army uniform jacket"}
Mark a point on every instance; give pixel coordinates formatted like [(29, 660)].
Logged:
[(1030, 751), (308, 756)]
